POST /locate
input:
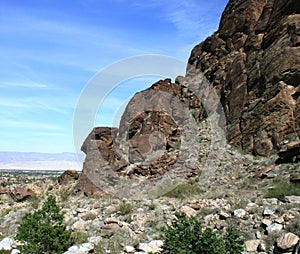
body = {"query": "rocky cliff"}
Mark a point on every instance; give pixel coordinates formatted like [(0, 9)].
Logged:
[(253, 62), (245, 76)]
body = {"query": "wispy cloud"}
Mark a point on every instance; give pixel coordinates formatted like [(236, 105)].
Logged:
[(29, 125), (23, 84)]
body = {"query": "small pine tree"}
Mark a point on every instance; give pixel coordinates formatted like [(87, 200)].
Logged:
[(43, 231), (188, 236)]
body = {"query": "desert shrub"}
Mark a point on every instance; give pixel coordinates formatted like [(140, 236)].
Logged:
[(43, 231), (124, 208), (294, 226), (283, 188), (5, 251), (188, 236), (183, 190), (79, 237)]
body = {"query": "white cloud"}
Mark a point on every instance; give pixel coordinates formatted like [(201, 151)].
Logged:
[(24, 84), (29, 125)]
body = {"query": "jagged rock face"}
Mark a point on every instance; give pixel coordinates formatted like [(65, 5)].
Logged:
[(253, 62), (148, 141)]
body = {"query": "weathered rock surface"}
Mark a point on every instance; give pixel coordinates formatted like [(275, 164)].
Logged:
[(287, 242), (156, 124), (67, 176), (20, 193), (253, 61)]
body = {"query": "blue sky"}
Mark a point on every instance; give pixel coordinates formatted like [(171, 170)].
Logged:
[(50, 50)]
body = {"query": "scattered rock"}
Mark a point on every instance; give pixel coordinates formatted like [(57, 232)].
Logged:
[(274, 228), (108, 230), (190, 212), (6, 243), (252, 245), (240, 213), (153, 246), (287, 242), (293, 199), (129, 249)]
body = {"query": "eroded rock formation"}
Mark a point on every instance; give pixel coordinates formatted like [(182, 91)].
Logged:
[(251, 65)]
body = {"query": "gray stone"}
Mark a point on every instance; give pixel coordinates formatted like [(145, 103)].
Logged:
[(293, 199), (274, 228), (268, 212)]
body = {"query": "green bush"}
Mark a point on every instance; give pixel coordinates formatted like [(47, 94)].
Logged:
[(188, 236), (43, 231)]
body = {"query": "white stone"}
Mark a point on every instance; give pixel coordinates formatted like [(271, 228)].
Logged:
[(94, 239), (86, 247), (82, 210), (224, 215), (153, 246), (266, 222), (6, 243), (252, 245), (258, 234), (268, 212), (129, 249), (79, 225), (287, 241), (190, 212), (274, 228), (293, 199), (15, 251), (209, 217), (240, 213), (270, 201)]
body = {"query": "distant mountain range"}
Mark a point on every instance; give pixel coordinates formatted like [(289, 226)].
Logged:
[(40, 161)]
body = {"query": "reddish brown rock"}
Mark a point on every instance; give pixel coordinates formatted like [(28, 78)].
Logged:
[(4, 190), (253, 63), (20, 193), (68, 176)]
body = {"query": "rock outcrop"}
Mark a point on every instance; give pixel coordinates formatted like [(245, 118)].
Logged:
[(253, 62), (246, 74), (68, 176)]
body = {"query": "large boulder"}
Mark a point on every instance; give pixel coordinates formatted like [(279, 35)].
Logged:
[(20, 192)]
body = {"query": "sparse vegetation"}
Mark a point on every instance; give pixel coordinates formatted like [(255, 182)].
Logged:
[(79, 237), (183, 190), (294, 226), (283, 188), (124, 208)]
